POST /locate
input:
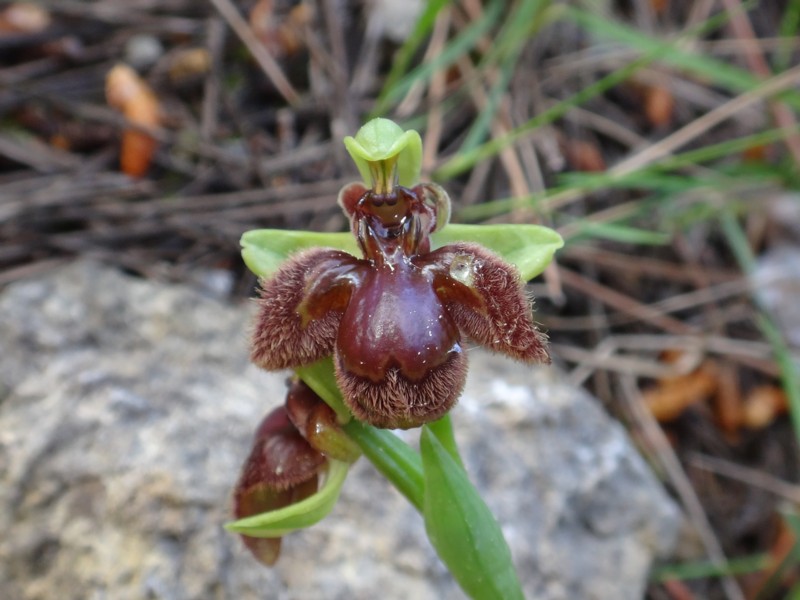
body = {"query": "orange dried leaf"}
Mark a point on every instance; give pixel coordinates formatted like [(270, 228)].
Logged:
[(659, 6), (130, 94), (281, 36), (584, 155), (189, 64), (136, 152), (262, 17), (782, 546), (728, 400), (756, 154), (24, 17), (762, 405), (291, 32), (678, 590), (659, 105), (672, 396)]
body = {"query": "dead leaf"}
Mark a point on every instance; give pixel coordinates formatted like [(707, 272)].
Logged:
[(584, 155), (763, 405), (672, 396), (728, 399), (659, 105), (659, 6), (281, 36), (24, 17), (782, 546), (132, 96), (189, 64)]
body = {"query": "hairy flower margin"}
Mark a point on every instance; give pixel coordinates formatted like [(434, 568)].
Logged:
[(394, 319)]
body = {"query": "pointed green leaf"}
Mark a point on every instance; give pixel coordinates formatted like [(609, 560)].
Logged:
[(277, 523), (620, 232), (462, 529), (529, 247)]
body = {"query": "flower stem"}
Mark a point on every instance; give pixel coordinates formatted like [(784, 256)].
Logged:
[(443, 430), (397, 462)]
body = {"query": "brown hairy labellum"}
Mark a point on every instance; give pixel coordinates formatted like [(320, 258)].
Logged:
[(394, 319)]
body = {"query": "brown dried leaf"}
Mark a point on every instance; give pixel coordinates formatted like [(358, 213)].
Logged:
[(672, 396), (282, 37), (584, 155), (24, 17), (762, 405), (659, 105), (132, 96), (189, 64), (728, 400), (782, 545), (659, 6)]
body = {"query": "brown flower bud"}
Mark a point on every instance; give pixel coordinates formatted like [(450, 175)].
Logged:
[(282, 469)]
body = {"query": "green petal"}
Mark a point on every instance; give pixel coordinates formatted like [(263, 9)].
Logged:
[(263, 250), (277, 523), (382, 139), (529, 247), (462, 529)]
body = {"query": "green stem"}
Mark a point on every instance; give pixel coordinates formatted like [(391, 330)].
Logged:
[(392, 457), (460, 526), (443, 430)]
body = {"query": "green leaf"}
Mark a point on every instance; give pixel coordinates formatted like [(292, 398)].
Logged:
[(263, 250), (462, 529), (277, 523), (454, 50), (706, 568), (529, 247), (405, 54), (619, 232)]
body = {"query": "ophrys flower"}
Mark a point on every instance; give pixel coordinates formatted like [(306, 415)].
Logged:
[(394, 318)]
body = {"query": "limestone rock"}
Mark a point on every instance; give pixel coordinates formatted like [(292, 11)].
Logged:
[(127, 407)]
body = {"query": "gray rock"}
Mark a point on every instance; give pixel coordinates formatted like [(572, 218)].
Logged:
[(127, 407)]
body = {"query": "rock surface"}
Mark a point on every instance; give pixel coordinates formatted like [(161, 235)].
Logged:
[(127, 407)]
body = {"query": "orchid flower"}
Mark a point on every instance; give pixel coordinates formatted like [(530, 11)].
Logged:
[(394, 318), (373, 322)]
